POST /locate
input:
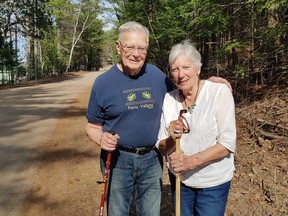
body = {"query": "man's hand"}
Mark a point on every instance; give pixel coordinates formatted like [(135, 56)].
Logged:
[(220, 80), (108, 141)]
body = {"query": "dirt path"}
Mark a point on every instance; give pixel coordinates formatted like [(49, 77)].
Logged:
[(65, 183), (29, 115)]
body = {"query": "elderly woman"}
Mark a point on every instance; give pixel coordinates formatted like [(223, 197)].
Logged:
[(202, 114)]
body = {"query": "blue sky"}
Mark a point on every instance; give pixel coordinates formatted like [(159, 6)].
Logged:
[(107, 16)]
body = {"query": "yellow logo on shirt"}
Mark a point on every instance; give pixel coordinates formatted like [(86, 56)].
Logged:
[(145, 101), (146, 95), (131, 97)]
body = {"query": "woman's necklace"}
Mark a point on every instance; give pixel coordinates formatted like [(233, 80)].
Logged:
[(191, 109)]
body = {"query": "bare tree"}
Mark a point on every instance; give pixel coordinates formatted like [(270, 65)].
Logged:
[(77, 34)]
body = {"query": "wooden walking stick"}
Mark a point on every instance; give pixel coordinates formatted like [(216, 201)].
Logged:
[(177, 207), (186, 129)]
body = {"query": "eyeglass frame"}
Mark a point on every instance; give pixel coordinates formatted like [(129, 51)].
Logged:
[(133, 48)]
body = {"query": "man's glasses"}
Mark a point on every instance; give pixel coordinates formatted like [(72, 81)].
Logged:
[(131, 49), (186, 128)]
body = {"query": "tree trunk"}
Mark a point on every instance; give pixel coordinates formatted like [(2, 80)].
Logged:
[(35, 59), (28, 53)]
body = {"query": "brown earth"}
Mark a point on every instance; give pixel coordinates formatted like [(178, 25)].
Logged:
[(66, 180)]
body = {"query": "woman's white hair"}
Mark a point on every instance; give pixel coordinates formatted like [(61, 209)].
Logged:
[(132, 26), (187, 48)]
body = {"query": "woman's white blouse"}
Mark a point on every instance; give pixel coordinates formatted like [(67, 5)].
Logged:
[(212, 121)]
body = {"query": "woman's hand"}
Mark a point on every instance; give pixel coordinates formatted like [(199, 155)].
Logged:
[(181, 162), (176, 129)]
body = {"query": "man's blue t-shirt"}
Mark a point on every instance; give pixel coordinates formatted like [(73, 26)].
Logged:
[(130, 106)]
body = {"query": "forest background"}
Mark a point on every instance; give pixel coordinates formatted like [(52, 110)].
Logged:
[(243, 41)]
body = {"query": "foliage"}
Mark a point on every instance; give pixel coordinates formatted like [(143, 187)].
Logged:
[(246, 39), (29, 17), (52, 59), (237, 39), (8, 58), (57, 32), (89, 52), (79, 33)]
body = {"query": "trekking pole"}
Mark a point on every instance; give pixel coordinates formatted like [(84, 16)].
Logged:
[(177, 207), (106, 178)]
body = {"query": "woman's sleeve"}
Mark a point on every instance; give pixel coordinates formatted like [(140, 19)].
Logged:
[(225, 115), (163, 132)]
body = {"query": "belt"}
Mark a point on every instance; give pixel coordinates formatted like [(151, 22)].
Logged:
[(139, 151)]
